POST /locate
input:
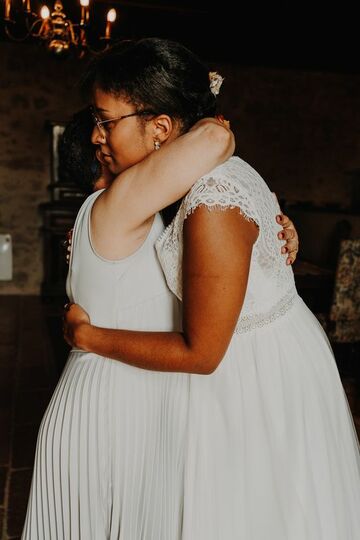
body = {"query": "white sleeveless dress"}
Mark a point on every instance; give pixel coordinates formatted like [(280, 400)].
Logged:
[(109, 462), (262, 449), (272, 452)]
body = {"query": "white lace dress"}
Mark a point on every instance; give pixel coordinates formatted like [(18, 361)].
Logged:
[(271, 452)]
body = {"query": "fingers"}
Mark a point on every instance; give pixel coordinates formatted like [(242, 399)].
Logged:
[(291, 259), (220, 118), (291, 245), (292, 254), (290, 236), (284, 221), (287, 234), (67, 245), (68, 253), (66, 308)]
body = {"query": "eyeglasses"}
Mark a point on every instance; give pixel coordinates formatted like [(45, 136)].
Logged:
[(100, 123)]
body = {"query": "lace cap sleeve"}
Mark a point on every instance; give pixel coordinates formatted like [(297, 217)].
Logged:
[(227, 186)]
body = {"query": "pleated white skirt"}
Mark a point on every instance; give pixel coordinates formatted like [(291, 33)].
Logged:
[(109, 463)]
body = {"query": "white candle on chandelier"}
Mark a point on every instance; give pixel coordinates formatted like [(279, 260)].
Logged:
[(44, 12), (27, 6), (84, 11), (110, 18), (7, 9)]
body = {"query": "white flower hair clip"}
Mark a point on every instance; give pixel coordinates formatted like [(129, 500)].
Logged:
[(216, 81)]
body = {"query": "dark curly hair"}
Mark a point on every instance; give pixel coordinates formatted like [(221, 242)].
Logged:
[(155, 74), (77, 159)]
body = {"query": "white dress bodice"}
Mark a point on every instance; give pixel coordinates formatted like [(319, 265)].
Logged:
[(119, 293), (235, 184)]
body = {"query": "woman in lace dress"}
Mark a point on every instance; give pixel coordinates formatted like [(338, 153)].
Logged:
[(270, 450)]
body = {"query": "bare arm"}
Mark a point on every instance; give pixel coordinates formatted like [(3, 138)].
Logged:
[(217, 253), (165, 176)]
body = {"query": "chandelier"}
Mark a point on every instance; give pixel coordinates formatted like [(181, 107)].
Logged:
[(54, 28)]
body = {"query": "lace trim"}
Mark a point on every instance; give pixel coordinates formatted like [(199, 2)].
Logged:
[(219, 194), (257, 320), (220, 207)]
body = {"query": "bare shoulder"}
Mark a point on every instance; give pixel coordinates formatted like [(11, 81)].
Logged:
[(217, 229)]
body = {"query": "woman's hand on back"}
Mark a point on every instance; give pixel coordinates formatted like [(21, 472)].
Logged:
[(291, 237)]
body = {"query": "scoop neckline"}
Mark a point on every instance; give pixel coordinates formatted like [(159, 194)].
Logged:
[(122, 259)]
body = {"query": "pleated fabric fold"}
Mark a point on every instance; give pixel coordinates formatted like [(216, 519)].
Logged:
[(109, 462)]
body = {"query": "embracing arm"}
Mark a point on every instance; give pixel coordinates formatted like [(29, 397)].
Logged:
[(216, 261), (165, 176)]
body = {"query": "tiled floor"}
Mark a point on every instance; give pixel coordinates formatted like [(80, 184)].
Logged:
[(27, 377), (29, 368)]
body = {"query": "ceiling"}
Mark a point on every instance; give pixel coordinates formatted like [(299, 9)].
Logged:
[(277, 33)]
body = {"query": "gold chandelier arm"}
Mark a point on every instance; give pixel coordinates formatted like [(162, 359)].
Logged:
[(44, 32), (30, 31), (73, 38)]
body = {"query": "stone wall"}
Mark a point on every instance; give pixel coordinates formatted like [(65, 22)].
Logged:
[(34, 88), (300, 130)]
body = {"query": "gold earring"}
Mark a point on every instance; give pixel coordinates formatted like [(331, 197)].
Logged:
[(157, 145)]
